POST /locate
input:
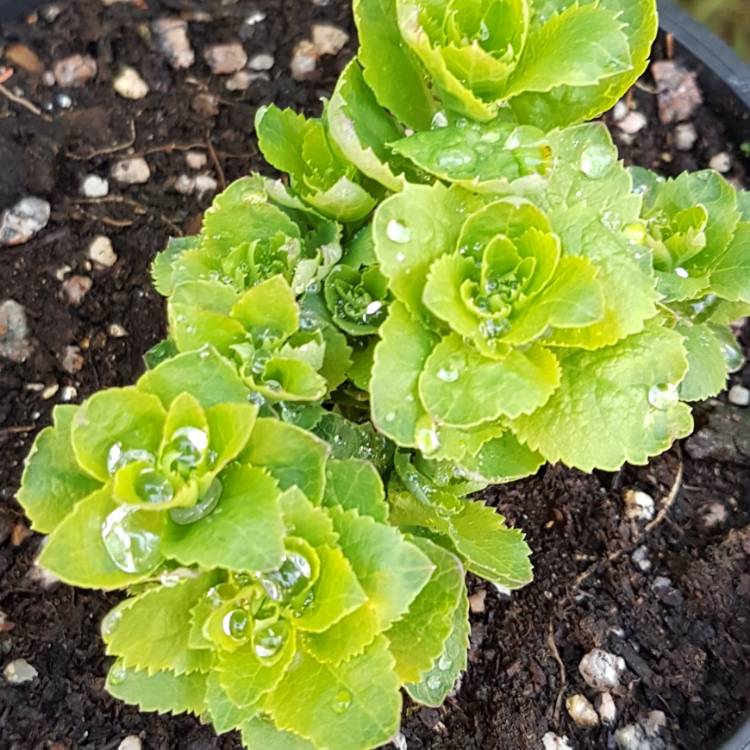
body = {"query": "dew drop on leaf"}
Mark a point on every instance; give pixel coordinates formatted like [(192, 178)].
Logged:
[(390, 417), (206, 503), (439, 121), (342, 701), (434, 682), (130, 538), (400, 257), (663, 396), (236, 624), (596, 161), (733, 356), (397, 232), (110, 622), (448, 374), (455, 159), (428, 440), (152, 486), (682, 272), (268, 641), (444, 663), (117, 457), (289, 580), (186, 449), (117, 675)]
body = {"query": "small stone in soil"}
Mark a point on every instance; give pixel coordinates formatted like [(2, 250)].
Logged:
[(726, 436), (74, 71), (50, 391), (399, 742), (132, 742), (68, 393), (205, 185), (633, 122), (129, 84), (739, 395), (101, 252), (45, 578), (551, 741), (133, 171), (685, 136), (19, 671), (678, 94), (581, 711), (620, 111), (21, 222), (606, 708), (714, 515), (76, 288), (601, 670), (639, 506), (205, 104), (195, 159), (23, 57), (304, 60), (116, 331), (14, 330), (476, 601), (241, 81), (174, 42), (722, 162), (328, 39), (640, 558), (262, 62), (224, 59), (93, 186), (72, 360)]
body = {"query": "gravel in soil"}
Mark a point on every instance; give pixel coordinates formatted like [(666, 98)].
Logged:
[(670, 595)]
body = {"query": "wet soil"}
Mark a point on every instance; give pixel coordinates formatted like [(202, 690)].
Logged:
[(679, 614)]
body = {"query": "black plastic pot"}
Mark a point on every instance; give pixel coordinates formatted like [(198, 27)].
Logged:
[(725, 81)]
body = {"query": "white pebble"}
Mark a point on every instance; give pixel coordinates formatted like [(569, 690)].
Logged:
[(101, 252), (184, 184), (551, 741), (14, 331), (224, 59), (328, 39), (601, 670), (399, 742), (45, 578), (196, 159), (607, 709), (260, 62), (476, 601), (205, 184), (304, 60), (19, 671), (739, 395), (581, 711), (134, 171), (632, 737), (685, 136), (721, 162), (68, 393), (620, 111), (174, 42), (633, 122), (639, 506), (76, 288), (117, 331), (132, 742), (129, 84), (50, 391), (74, 71), (640, 558), (22, 221), (93, 186)]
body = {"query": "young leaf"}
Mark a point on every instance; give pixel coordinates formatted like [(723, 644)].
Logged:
[(261, 733), (220, 711), (502, 459), (356, 485), (708, 368)]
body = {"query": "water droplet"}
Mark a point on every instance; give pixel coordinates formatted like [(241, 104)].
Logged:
[(117, 457), (663, 396), (186, 449), (342, 701), (434, 682), (596, 161), (484, 31), (455, 159), (110, 622), (493, 328), (611, 220), (131, 539), (682, 272), (400, 257), (172, 578), (273, 385), (635, 233), (733, 355), (444, 663), (289, 580), (373, 307), (428, 440), (397, 232), (236, 624), (439, 121), (390, 416), (448, 374), (206, 503), (153, 487), (493, 137), (268, 641), (117, 675)]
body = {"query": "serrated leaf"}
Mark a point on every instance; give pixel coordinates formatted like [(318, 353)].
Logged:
[(205, 374), (52, 481), (356, 485), (707, 365), (293, 456), (305, 520), (151, 631), (245, 532), (418, 638), (164, 692), (230, 426), (162, 269), (600, 416), (502, 459), (222, 713), (730, 278), (356, 704), (269, 307), (440, 680), (390, 570), (491, 549), (75, 552), (261, 733)]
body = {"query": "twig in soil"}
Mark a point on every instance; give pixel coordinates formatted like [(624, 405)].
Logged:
[(563, 676), (16, 430), (670, 46), (110, 149), (668, 501), (25, 103), (216, 163), (139, 209)]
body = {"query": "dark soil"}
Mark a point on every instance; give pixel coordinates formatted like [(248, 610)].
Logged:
[(686, 641)]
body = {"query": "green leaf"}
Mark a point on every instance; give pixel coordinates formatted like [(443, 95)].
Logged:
[(164, 692), (441, 679), (281, 133), (418, 638), (229, 426), (485, 389), (356, 485), (52, 481), (261, 733), (391, 571), (291, 455), (205, 374), (491, 550), (75, 551), (730, 278), (117, 416), (399, 360), (151, 631), (601, 417), (502, 459), (348, 439), (245, 532), (356, 704), (707, 365), (335, 594), (393, 73), (162, 269), (221, 712), (305, 520), (268, 309)]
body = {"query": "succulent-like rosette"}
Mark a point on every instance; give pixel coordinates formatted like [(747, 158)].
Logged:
[(697, 229), (254, 230), (318, 174), (268, 590), (553, 62)]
